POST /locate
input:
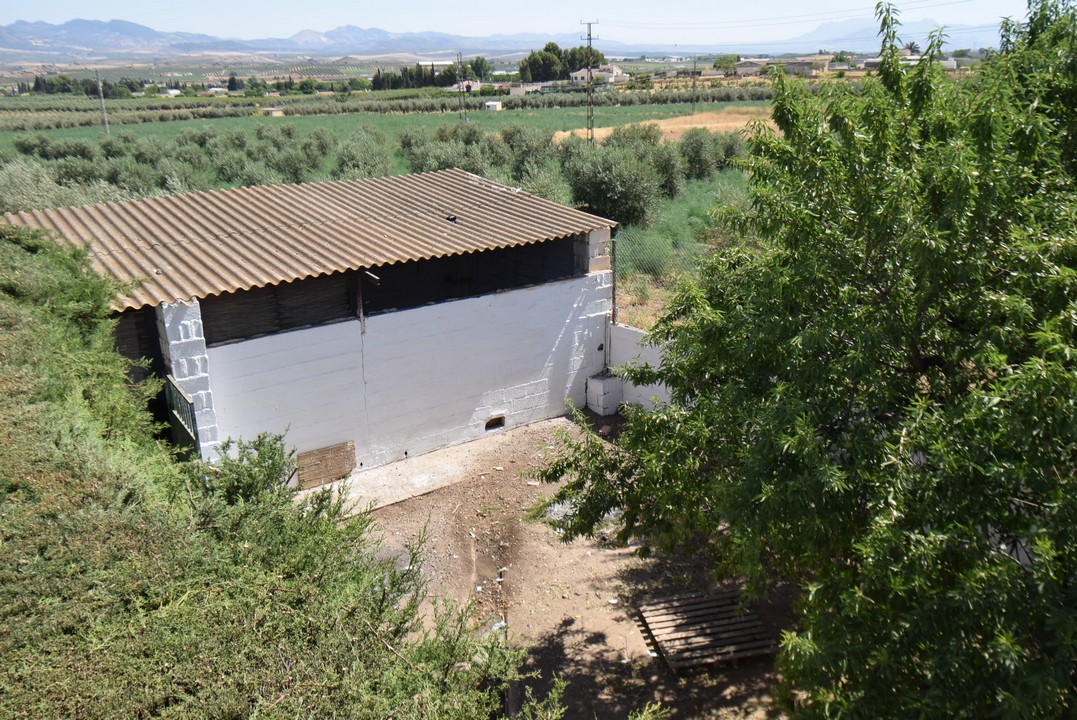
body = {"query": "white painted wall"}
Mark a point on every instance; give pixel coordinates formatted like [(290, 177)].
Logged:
[(626, 347), (306, 382), (419, 379)]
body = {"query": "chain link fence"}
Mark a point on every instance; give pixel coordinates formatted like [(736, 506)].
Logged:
[(648, 267)]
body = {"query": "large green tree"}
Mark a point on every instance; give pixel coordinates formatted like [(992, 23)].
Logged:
[(881, 405)]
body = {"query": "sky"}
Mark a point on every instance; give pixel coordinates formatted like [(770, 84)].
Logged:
[(631, 21)]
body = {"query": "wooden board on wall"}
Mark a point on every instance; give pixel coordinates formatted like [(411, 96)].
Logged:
[(326, 465)]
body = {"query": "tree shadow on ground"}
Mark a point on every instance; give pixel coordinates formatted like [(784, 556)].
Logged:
[(604, 684)]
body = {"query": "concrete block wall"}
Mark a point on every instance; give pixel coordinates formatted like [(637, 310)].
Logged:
[(183, 344), (419, 379), (305, 383), (592, 251), (626, 346), (436, 375)]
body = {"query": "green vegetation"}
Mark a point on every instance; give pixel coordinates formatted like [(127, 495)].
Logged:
[(877, 402), (553, 63), (53, 111), (135, 585)]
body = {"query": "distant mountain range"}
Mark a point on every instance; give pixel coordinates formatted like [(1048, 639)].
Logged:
[(80, 39)]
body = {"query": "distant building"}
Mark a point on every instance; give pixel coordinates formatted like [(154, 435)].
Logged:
[(600, 74), (752, 66)]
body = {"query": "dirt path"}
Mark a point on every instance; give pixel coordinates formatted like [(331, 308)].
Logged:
[(733, 118), (569, 603)]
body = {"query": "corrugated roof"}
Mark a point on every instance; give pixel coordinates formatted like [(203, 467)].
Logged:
[(181, 247)]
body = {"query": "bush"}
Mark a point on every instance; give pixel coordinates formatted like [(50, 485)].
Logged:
[(530, 148), (293, 164), (33, 145), (196, 136), (700, 152), (546, 181), (229, 165), (319, 142), (258, 173), (667, 164), (69, 148), (27, 184), (76, 171), (114, 146), (614, 183), (364, 154), (639, 134), (732, 146), (136, 586)]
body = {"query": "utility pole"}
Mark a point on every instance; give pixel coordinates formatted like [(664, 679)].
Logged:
[(694, 93), (460, 85), (590, 85), (101, 96)]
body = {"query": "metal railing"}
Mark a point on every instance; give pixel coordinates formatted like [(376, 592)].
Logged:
[(181, 415)]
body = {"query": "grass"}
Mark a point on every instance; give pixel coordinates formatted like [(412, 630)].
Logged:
[(132, 585), (651, 260)]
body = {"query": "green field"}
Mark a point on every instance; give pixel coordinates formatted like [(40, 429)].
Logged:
[(553, 119)]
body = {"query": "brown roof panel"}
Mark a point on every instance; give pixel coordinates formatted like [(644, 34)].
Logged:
[(165, 249)]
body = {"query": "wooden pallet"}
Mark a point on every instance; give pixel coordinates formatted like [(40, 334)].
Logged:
[(705, 628)]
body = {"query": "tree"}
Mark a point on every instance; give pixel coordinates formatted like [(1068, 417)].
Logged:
[(542, 66), (879, 403), (614, 182), (481, 67), (365, 154), (580, 57), (912, 47), (727, 64), (698, 147)]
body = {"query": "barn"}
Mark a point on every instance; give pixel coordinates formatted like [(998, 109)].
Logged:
[(369, 320)]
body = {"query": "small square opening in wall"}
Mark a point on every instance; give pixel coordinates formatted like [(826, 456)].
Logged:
[(495, 423)]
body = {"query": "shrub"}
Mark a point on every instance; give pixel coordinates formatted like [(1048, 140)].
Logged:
[(700, 153), (364, 154), (118, 145), (733, 147), (646, 134), (546, 181), (257, 173), (667, 164), (35, 144), (69, 148), (293, 164), (614, 183), (229, 164), (530, 147), (196, 136), (27, 184), (76, 171)]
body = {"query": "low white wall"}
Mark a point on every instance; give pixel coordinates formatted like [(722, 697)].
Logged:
[(419, 379), (626, 347)]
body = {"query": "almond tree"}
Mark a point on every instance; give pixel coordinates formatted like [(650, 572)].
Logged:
[(881, 405)]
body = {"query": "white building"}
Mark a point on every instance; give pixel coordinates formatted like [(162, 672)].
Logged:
[(370, 320)]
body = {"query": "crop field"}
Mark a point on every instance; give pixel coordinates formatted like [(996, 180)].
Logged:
[(392, 125)]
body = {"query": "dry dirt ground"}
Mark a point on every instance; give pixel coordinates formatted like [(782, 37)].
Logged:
[(727, 120), (570, 604)]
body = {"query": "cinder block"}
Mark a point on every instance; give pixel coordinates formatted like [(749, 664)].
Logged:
[(604, 394)]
